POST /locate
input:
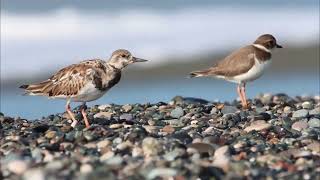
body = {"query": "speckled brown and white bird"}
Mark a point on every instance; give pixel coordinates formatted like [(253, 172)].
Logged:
[(84, 82), (243, 65)]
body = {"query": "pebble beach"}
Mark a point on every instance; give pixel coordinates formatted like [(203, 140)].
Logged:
[(186, 138)]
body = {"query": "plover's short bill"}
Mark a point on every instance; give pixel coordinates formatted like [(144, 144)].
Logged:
[(243, 65), (84, 82)]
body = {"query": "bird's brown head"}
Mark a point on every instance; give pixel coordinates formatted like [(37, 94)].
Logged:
[(268, 41), (121, 58)]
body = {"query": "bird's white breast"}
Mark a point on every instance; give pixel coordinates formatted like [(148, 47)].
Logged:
[(255, 72), (88, 93)]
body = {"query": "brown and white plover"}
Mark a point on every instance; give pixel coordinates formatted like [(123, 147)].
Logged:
[(84, 82), (243, 65)]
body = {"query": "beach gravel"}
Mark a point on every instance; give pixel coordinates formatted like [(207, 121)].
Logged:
[(186, 138)]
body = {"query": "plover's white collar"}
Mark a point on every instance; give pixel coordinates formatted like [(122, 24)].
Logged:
[(259, 46)]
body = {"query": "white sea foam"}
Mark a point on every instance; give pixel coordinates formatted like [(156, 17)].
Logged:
[(33, 43)]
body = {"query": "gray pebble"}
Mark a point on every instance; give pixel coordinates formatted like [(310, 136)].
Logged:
[(299, 125), (177, 112), (315, 111), (150, 146), (161, 172), (229, 109), (307, 105), (127, 117), (302, 113), (127, 108), (34, 174), (175, 122), (314, 122)]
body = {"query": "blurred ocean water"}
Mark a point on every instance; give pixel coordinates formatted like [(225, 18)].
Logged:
[(33, 107), (40, 41)]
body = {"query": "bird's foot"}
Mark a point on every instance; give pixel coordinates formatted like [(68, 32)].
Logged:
[(74, 123), (246, 105), (84, 107)]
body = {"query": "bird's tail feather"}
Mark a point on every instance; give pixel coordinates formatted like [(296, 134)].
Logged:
[(199, 73), (34, 89)]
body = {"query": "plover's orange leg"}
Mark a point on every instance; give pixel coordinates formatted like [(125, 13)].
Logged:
[(84, 115), (71, 115), (240, 94), (243, 92)]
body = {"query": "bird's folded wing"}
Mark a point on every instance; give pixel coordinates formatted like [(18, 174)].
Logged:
[(65, 83), (235, 64)]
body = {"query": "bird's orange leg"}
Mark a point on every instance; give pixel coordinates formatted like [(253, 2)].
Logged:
[(243, 92), (71, 115), (84, 115), (239, 93)]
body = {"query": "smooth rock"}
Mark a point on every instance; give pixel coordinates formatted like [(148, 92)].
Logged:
[(151, 122), (258, 125), (103, 115), (117, 140), (151, 129), (54, 165), (114, 161), (90, 136), (299, 125), (90, 145), (106, 156), (116, 126), (124, 145), (103, 144), (17, 166), (50, 134), (34, 174), (202, 147), (150, 146), (177, 112), (127, 107), (104, 107), (229, 110), (194, 122), (268, 158), (127, 117), (302, 113), (221, 158), (37, 155), (175, 122), (168, 129), (85, 168), (137, 152), (287, 109), (182, 137), (266, 98), (315, 147), (41, 128), (209, 130), (172, 155), (302, 153), (315, 111), (214, 110), (260, 110), (307, 105), (162, 173), (314, 123)]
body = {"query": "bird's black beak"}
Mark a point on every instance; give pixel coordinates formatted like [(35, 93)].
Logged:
[(278, 46), (134, 60)]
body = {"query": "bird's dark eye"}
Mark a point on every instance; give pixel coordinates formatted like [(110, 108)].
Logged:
[(123, 55)]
